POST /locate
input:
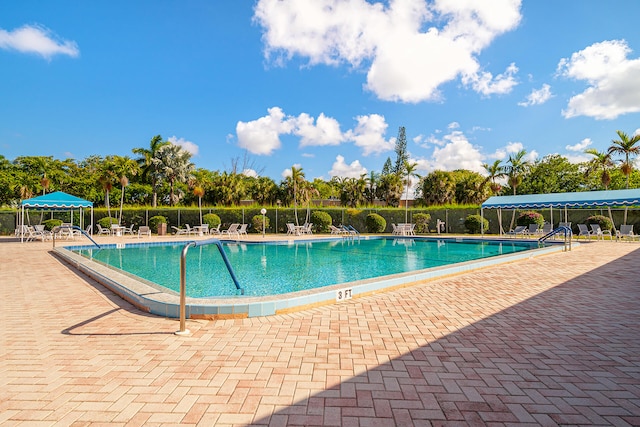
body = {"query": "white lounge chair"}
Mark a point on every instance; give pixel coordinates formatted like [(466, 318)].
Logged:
[(626, 232), (335, 230), (214, 230), (243, 229), (179, 231), (291, 229), (583, 230), (144, 230), (599, 232), (233, 229), (103, 230), (533, 229), (129, 230)]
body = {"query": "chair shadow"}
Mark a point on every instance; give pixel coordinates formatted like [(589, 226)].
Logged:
[(570, 355)]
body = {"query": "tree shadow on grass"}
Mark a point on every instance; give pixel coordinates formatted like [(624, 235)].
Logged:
[(570, 355)]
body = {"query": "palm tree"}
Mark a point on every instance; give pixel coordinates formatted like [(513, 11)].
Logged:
[(410, 172), (173, 164), (602, 162), (106, 177), (372, 184), (147, 166), (124, 167), (495, 171), (627, 147), (296, 180), (516, 167)]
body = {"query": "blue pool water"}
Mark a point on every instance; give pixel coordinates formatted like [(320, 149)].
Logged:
[(282, 267)]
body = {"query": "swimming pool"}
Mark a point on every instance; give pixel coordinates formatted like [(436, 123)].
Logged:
[(282, 276)]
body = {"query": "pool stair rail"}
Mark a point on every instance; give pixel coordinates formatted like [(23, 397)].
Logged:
[(350, 232), (183, 277), (71, 228), (561, 229)]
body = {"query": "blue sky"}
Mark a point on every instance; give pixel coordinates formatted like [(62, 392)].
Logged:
[(319, 84)]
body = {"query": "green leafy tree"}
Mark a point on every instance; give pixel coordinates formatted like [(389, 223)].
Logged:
[(390, 189), (123, 167), (173, 164), (387, 168), (552, 174), (437, 188)]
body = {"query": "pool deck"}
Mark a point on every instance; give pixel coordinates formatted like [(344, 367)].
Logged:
[(552, 340)]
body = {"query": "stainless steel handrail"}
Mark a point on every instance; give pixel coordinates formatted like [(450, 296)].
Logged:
[(183, 277), (562, 229), (72, 227)]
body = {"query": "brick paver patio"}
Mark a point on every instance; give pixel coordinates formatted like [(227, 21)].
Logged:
[(554, 340)]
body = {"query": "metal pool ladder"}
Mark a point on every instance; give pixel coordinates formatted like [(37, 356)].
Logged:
[(183, 277), (562, 229)]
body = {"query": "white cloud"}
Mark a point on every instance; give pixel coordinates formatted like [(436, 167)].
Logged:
[(486, 84), (409, 48), (580, 146), (537, 97), (262, 136), (325, 131), (38, 40), (250, 173), (455, 152), (614, 86), (351, 170), (187, 145), (369, 134)]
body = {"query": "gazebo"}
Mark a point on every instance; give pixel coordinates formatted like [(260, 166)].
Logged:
[(563, 201), (56, 201)]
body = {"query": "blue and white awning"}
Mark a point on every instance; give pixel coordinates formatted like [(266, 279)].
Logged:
[(583, 199)]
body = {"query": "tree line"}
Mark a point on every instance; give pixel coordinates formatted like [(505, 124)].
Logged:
[(163, 174)]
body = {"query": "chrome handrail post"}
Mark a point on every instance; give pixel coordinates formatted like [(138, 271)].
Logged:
[(183, 290)]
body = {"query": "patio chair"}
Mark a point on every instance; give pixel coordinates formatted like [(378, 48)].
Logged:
[(179, 231), (103, 230), (335, 230), (533, 229), (243, 229), (233, 229), (583, 230), (291, 229), (144, 230), (214, 230), (519, 230), (626, 232), (306, 228), (599, 232), (129, 230)]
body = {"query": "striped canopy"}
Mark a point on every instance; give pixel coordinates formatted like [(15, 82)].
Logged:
[(584, 199)]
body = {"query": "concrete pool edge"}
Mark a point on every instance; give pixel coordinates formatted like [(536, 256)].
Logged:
[(166, 304)]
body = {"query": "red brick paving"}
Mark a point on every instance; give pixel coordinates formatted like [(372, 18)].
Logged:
[(553, 340)]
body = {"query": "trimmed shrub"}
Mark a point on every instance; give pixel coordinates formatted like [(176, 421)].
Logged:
[(526, 218), (603, 221), (256, 221), (49, 224), (421, 221), (473, 224), (212, 219), (107, 221), (155, 220), (321, 221), (375, 223)]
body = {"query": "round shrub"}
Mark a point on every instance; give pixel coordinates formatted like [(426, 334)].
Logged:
[(604, 222), (526, 218), (321, 221), (256, 221), (421, 221), (49, 224), (155, 220), (473, 223), (375, 223), (212, 219), (107, 221)]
